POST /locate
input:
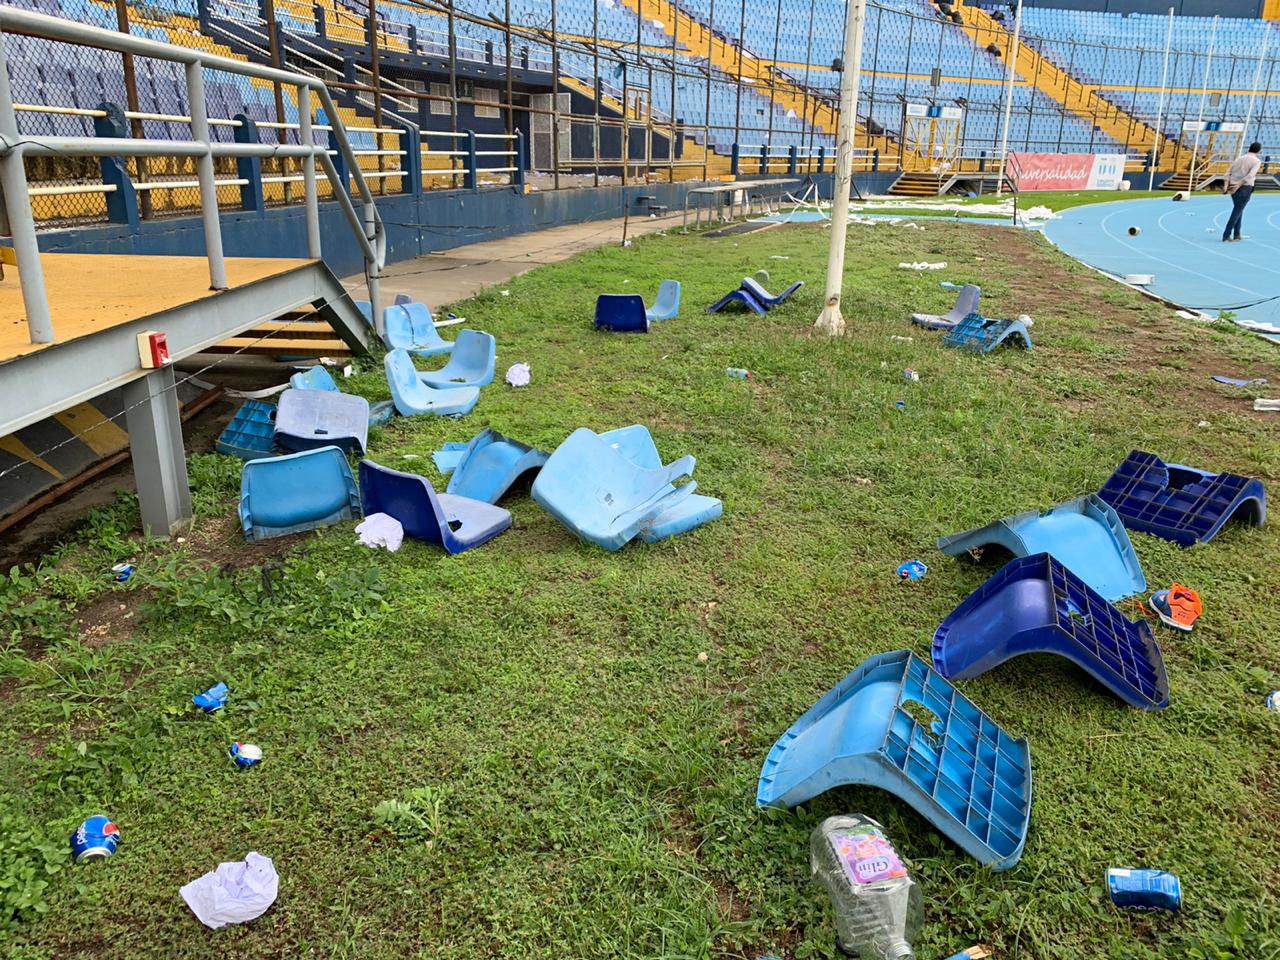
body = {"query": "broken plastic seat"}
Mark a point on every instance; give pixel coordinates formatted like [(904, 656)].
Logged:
[(764, 297), (738, 296), (621, 313), (251, 433), (606, 498), (296, 492), (306, 419), (411, 327), (1085, 534), (667, 304), (314, 378), (982, 335), (962, 772), (1036, 605), (470, 365), (636, 444), (454, 523), (489, 465), (966, 304), (1181, 503), (412, 397)]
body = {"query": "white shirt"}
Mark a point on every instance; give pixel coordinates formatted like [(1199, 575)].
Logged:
[(1244, 169)]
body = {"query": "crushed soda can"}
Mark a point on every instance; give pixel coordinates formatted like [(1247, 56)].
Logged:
[(245, 754), (122, 572), (1144, 889), (910, 375), (912, 570), (213, 699), (96, 837), (1273, 701)]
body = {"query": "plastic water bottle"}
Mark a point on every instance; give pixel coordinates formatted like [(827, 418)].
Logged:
[(879, 908), (737, 373)]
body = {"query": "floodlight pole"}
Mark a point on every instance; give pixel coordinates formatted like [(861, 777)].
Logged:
[(1008, 97), (1164, 89), (1253, 94), (830, 321)]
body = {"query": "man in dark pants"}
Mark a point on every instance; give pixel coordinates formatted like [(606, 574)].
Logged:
[(1239, 186)]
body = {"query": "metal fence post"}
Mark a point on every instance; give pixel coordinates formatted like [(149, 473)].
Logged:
[(411, 161), (122, 203), (310, 200), (205, 174), (471, 179), (764, 158), (339, 165), (791, 159), (520, 160), (317, 11), (734, 158), (822, 158), (249, 168)]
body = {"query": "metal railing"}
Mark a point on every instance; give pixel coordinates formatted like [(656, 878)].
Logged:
[(15, 148)]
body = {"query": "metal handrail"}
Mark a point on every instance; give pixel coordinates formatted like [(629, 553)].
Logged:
[(14, 147)]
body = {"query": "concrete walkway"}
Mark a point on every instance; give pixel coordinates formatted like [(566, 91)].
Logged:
[(440, 279)]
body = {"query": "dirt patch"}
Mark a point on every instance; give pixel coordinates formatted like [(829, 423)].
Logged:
[(219, 542), (110, 618), (730, 902)]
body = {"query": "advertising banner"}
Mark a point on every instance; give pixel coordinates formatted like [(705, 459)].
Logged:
[(1066, 171)]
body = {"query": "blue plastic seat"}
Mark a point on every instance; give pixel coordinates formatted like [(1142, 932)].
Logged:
[(306, 419), (296, 492), (667, 305), (471, 364), (1181, 503), (982, 335), (621, 313), (251, 433), (454, 523), (738, 296), (412, 397), (1084, 534), (768, 300), (591, 487), (966, 303), (961, 772), (411, 327), (1036, 605), (636, 444), (314, 378), (490, 464)]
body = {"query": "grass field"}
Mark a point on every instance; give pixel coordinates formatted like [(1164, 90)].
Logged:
[(516, 752)]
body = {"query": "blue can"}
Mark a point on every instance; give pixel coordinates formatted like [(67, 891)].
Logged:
[(1144, 889), (96, 837), (245, 754), (213, 699), (1273, 701), (122, 572)]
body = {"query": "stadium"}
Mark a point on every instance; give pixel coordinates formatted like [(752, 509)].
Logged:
[(758, 479)]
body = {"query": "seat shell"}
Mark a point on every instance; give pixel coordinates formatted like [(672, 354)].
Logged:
[(413, 398), (454, 523), (470, 365), (296, 492)]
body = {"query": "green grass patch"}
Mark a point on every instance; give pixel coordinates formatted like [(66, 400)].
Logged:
[(517, 752)]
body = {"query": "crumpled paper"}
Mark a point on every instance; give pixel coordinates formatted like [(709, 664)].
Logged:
[(519, 374), (233, 893), (381, 530)]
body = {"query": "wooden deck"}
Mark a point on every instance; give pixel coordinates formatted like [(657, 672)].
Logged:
[(89, 293)]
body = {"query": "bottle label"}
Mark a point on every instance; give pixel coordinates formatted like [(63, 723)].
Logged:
[(867, 858)]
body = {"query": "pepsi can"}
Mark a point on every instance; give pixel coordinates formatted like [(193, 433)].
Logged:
[(245, 754), (122, 572), (1273, 701), (1144, 889), (96, 837)]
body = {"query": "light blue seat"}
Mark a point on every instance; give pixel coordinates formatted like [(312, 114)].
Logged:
[(413, 397), (471, 365), (606, 498), (300, 491), (410, 327), (636, 444), (306, 419), (668, 303), (454, 523), (314, 378), (966, 303), (490, 464)]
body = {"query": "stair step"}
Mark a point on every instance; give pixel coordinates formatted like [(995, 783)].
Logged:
[(282, 346), (298, 330)]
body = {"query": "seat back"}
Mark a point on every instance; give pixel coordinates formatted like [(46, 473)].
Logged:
[(408, 392), (408, 497), (966, 303), (667, 305), (299, 491), (410, 326), (474, 355), (621, 312), (316, 378)]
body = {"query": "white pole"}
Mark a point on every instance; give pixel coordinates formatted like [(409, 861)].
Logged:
[(1257, 78), (830, 321), (1204, 92), (1164, 80), (1008, 96)]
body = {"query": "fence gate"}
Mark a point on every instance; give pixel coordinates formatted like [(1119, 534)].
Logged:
[(541, 122), (933, 134), (1217, 144)]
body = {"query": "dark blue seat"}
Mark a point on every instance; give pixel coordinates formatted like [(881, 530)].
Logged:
[(621, 313), (454, 523)]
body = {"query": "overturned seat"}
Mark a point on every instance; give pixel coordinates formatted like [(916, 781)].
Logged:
[(488, 466), (411, 327), (895, 724), (1181, 503), (412, 397), (296, 492), (621, 313), (314, 378), (1036, 605), (1084, 534), (768, 300), (306, 419), (636, 444), (982, 335), (454, 523), (604, 497), (966, 303), (251, 433), (738, 296), (470, 365), (667, 304)]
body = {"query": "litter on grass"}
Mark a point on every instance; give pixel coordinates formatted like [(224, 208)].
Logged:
[(1144, 889), (234, 892), (922, 265), (1238, 382), (518, 375), (381, 530), (245, 754), (213, 699), (1263, 404), (912, 570), (96, 837)]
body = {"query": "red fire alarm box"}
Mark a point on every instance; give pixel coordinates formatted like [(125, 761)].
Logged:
[(153, 349)]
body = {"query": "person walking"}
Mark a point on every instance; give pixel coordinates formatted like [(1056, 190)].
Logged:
[(1239, 186)]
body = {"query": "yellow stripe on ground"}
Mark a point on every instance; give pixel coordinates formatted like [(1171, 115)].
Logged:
[(97, 432), (13, 445)]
